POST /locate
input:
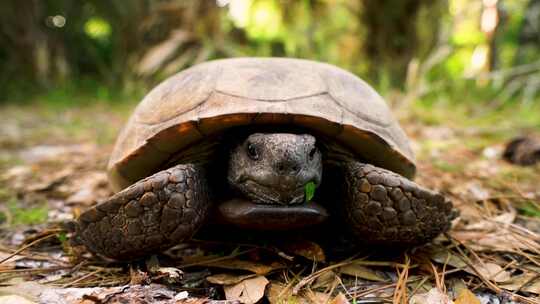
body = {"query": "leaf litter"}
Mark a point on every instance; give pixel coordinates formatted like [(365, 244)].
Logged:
[(492, 253)]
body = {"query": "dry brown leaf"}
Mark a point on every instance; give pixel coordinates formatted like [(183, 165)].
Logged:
[(466, 296), (15, 299), (258, 268), (360, 271), (228, 278), (87, 188), (456, 284), (49, 181), (529, 282), (44, 153), (493, 223), (492, 271), (325, 279), (340, 299), (249, 291), (29, 290), (307, 249), (278, 294), (434, 296), (477, 191), (501, 240), (153, 293), (39, 293), (17, 173), (447, 257)]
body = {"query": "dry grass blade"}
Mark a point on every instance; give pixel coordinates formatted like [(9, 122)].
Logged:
[(81, 278), (373, 290), (35, 270), (529, 281), (363, 272), (418, 286), (310, 278), (472, 265), (491, 285), (439, 283), (26, 247), (400, 293), (285, 290), (45, 257), (228, 279)]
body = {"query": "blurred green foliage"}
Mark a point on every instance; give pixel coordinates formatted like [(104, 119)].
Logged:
[(457, 50), (27, 216), (14, 215), (530, 209)]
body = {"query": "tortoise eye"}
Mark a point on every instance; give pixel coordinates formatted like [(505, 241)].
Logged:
[(252, 152)]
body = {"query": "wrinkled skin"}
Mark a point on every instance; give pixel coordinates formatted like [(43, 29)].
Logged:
[(268, 174), (274, 168)]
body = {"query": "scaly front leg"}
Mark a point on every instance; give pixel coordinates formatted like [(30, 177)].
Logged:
[(153, 214), (384, 207)]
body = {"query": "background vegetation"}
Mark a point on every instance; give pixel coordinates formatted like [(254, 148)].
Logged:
[(453, 50), (462, 77)]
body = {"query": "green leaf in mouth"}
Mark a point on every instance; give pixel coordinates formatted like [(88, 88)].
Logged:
[(310, 191)]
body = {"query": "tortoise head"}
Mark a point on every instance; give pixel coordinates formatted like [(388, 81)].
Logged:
[(274, 168)]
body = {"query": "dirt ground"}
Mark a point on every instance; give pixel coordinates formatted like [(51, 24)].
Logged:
[(52, 167)]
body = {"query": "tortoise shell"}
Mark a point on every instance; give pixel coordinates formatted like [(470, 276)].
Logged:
[(215, 96)]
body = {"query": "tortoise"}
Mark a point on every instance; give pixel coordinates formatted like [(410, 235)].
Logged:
[(265, 144)]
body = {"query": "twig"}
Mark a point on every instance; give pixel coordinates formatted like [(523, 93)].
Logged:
[(420, 284), (37, 257), (372, 290), (314, 275), (469, 263), (489, 284), (34, 269), (25, 247), (289, 285), (81, 278)]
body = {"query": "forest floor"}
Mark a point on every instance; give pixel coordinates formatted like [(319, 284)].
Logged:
[(52, 167)]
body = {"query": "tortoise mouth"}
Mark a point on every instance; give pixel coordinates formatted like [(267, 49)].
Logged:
[(270, 195), (247, 214)]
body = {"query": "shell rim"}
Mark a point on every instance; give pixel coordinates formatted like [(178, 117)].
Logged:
[(402, 164)]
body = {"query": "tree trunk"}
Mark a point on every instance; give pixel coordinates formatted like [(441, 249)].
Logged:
[(392, 38)]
